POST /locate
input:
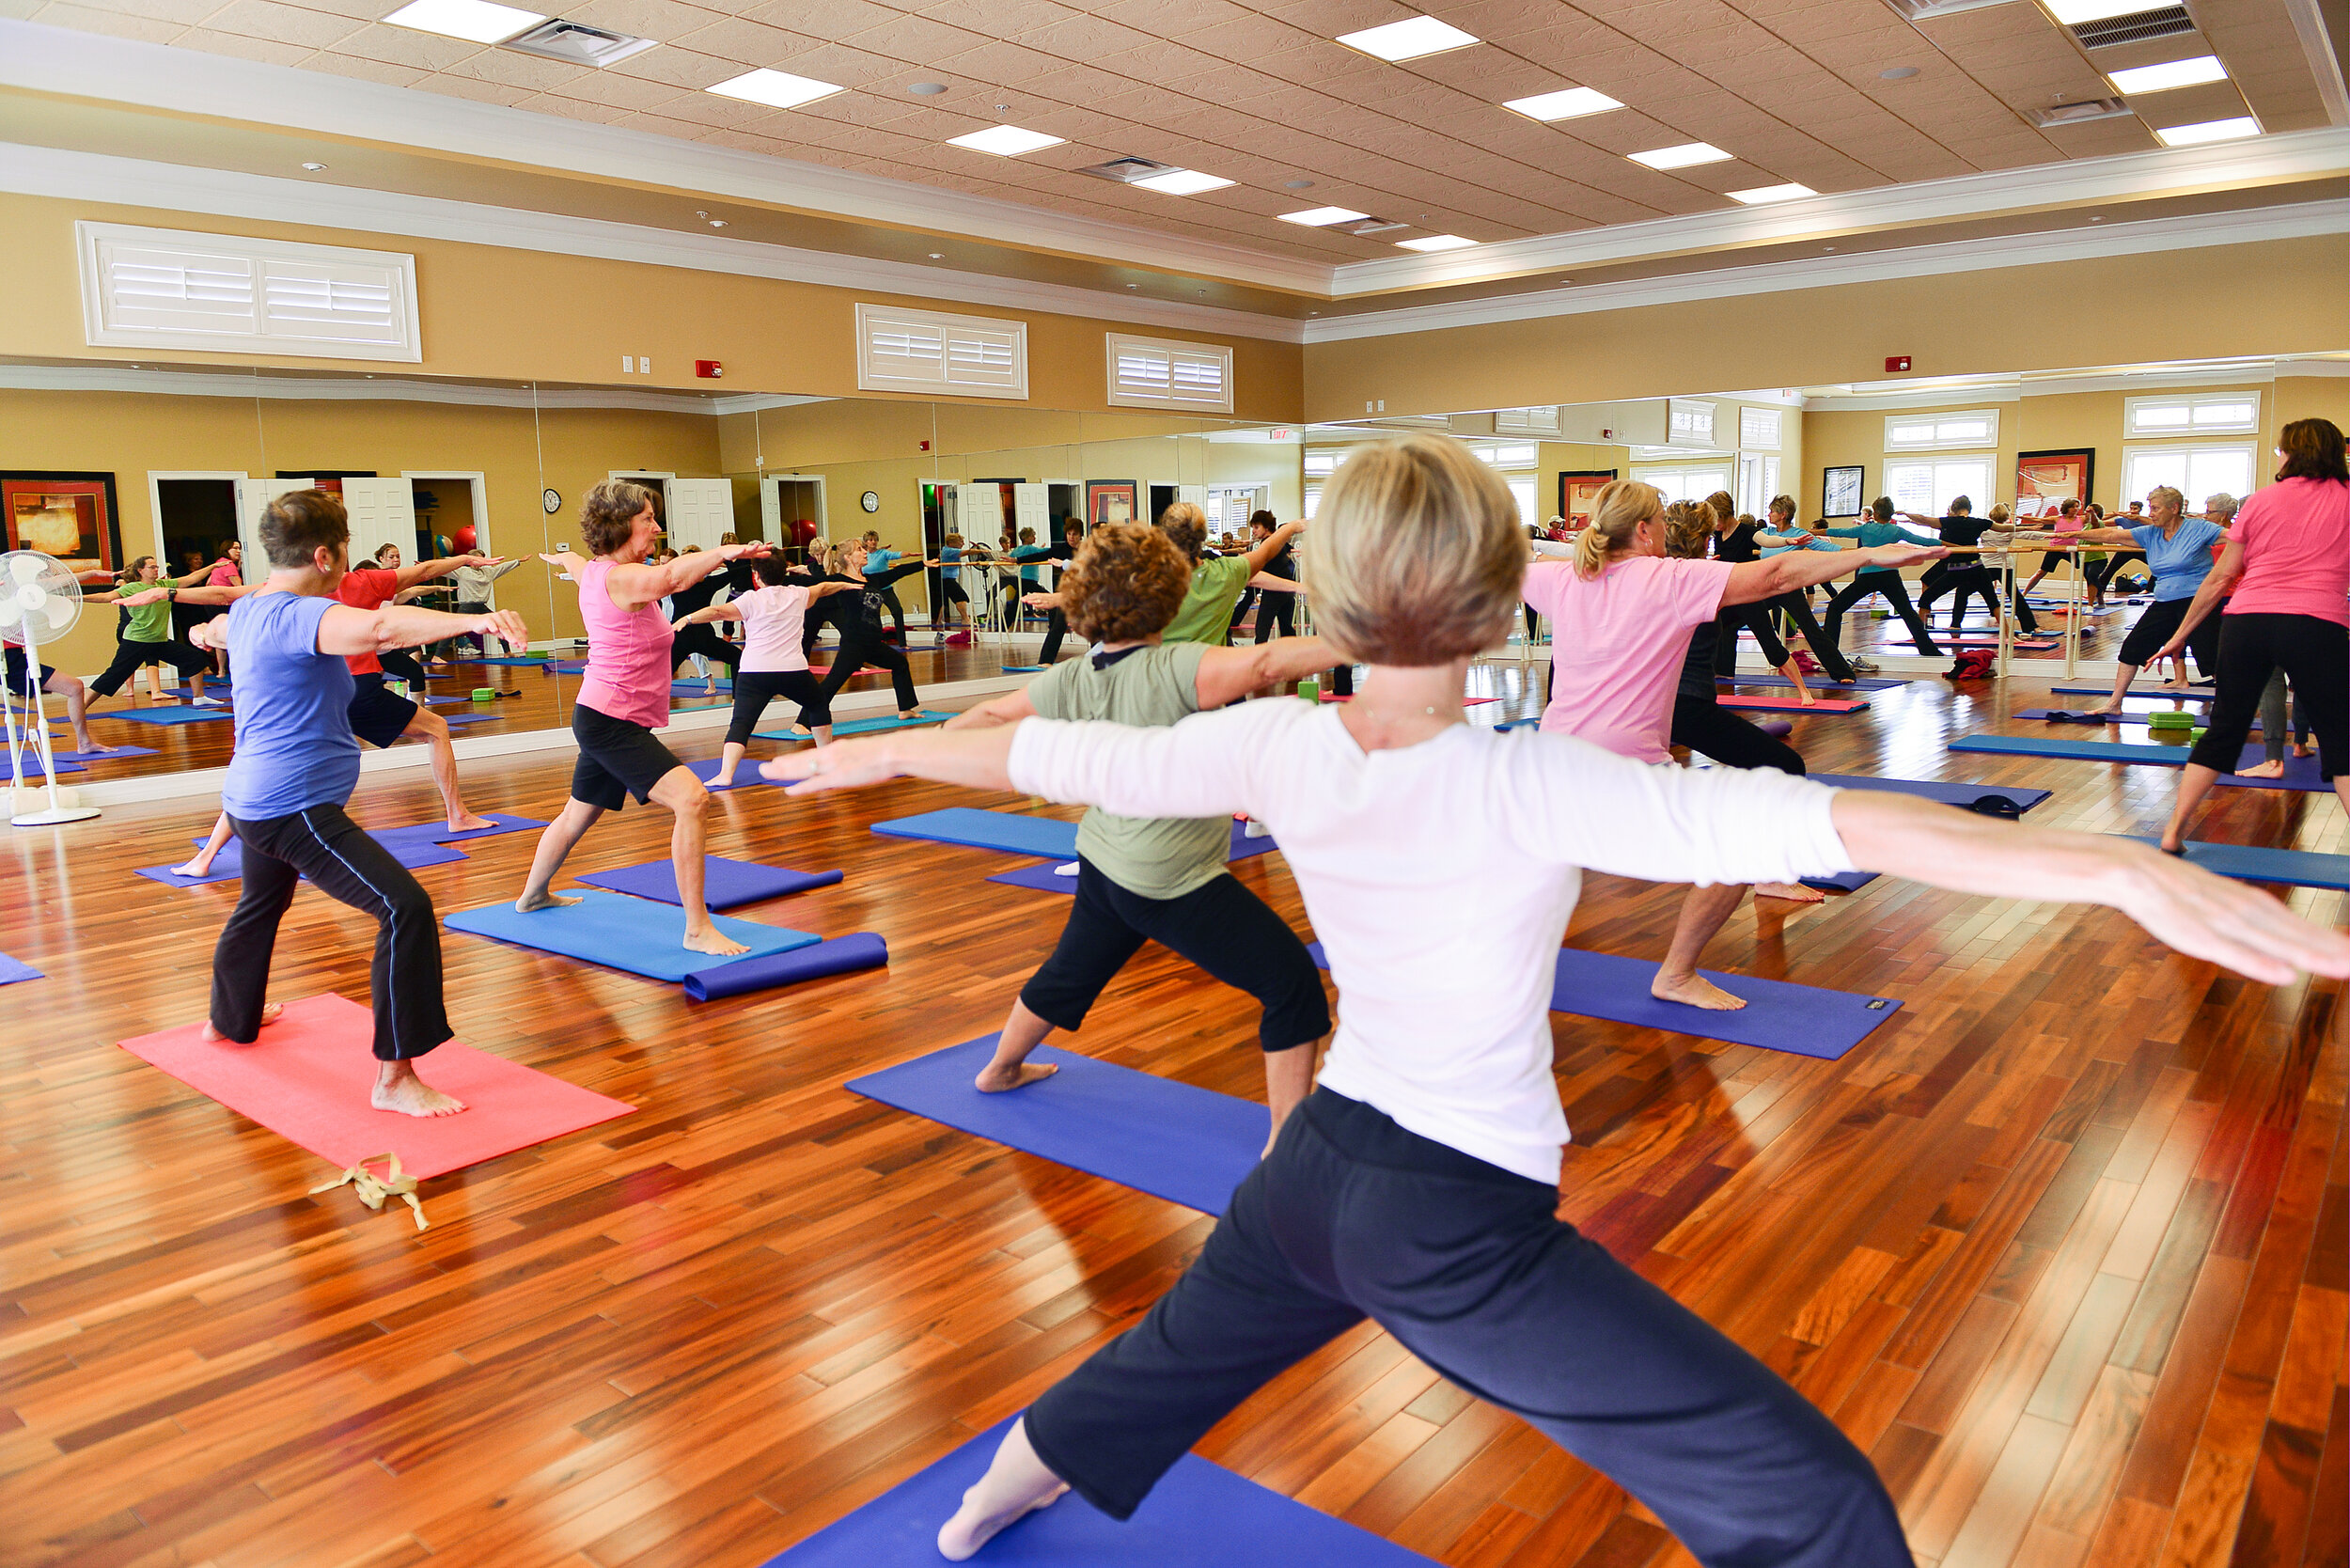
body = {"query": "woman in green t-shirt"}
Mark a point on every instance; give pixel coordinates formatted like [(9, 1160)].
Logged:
[(144, 638)]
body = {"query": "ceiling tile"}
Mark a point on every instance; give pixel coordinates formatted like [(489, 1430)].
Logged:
[(121, 24), (287, 24), (662, 20), (405, 46), (482, 92)]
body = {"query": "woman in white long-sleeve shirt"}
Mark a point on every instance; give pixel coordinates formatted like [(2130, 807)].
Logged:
[(1418, 1184)]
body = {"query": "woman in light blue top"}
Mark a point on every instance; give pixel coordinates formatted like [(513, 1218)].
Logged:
[(1873, 527), (2180, 551)]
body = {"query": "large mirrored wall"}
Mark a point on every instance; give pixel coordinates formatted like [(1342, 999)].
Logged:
[(137, 459)]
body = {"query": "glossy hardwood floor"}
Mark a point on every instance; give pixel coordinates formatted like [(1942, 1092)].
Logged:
[(2061, 1245)]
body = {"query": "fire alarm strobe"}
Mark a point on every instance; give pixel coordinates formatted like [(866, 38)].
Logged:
[(709, 369), (1896, 362)]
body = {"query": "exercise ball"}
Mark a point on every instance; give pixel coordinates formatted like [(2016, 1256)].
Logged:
[(463, 538), (804, 531)]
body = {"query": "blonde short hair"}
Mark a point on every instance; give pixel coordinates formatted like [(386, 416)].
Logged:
[(1414, 557), (1188, 526), (2177, 499)]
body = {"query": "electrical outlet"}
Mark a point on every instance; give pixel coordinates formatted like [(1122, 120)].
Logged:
[(644, 365), (1367, 405), (1382, 405)]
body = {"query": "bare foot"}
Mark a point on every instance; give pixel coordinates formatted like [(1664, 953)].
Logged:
[(270, 1014), (710, 939), (1693, 991), (470, 823), (1805, 697), (412, 1096), (2107, 705), (527, 904), (2262, 770), (1793, 891), (724, 780), (973, 1528), (2300, 751), (993, 1081), (909, 712), (199, 866), (89, 747)]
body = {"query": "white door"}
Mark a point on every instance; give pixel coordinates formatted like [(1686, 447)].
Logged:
[(1196, 493), (1032, 505), (700, 512), (253, 498), (383, 511)]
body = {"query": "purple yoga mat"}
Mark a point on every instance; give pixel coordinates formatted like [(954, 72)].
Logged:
[(228, 866), (840, 956), (1040, 876), (15, 969), (724, 883)]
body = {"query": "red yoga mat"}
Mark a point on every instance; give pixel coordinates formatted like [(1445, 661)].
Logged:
[(308, 1076), (1792, 705)]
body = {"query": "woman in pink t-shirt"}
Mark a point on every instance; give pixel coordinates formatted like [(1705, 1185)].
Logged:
[(775, 658), (2283, 590), (1620, 614), (624, 697)]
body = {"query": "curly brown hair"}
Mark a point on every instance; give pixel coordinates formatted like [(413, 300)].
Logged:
[(608, 513), (1125, 583)]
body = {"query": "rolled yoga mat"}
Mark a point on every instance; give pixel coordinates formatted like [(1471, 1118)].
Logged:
[(1199, 1514), (2301, 772), (724, 883), (306, 1077), (1806, 1020), (1187, 1145), (621, 933), (841, 955), (2253, 863)]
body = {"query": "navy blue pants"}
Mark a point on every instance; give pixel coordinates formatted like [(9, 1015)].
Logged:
[(1468, 1266)]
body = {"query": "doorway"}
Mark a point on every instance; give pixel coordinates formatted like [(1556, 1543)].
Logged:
[(448, 503)]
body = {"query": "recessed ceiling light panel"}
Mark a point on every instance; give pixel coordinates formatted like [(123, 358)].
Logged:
[(1408, 39), (1687, 155), (1435, 242), (2209, 131), (1764, 194), (777, 89), (2171, 74), (1567, 103), (2074, 12), (1321, 217), (475, 21), (1005, 141), (1182, 183)]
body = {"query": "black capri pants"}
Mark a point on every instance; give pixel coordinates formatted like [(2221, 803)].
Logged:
[(1468, 1264), (130, 656), (617, 758), (1706, 727), (1754, 618), (854, 654), (755, 688), (2154, 628), (700, 638), (1222, 927), (322, 843), (2314, 654)]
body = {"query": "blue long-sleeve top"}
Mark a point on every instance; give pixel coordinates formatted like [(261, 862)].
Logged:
[(1869, 533)]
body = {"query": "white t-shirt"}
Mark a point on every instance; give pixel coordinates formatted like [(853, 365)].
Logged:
[(1440, 879), (772, 619)]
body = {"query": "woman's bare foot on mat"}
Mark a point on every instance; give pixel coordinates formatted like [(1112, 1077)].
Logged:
[(1794, 892), (398, 1089), (996, 1080), (2262, 770), (527, 904), (710, 939), (470, 823), (270, 1014), (1693, 991)]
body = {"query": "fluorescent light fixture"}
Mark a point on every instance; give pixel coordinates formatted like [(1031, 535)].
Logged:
[(475, 21), (1320, 217), (2172, 74), (1435, 242), (1763, 194), (1005, 141), (777, 89), (1181, 182), (2209, 131), (2074, 12), (1682, 157), (1408, 39), (1567, 103)]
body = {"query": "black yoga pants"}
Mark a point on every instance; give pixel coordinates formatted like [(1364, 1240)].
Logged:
[(700, 638), (1797, 607), (325, 845), (755, 688), (1276, 612), (130, 656), (1469, 1267), (1222, 927), (2157, 626), (1754, 618), (2314, 654), (1706, 727), (1055, 628), (1896, 592), (854, 654)]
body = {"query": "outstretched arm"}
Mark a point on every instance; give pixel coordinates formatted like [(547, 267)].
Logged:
[(1264, 552), (346, 631), (1009, 708), (2217, 585), (227, 593), (426, 571), (1800, 569), (1228, 674), (636, 586), (715, 612)]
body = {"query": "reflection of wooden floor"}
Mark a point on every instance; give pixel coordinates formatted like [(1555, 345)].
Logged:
[(2063, 1246)]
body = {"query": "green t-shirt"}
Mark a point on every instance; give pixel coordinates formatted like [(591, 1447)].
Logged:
[(152, 622), (1159, 857), (1206, 614)]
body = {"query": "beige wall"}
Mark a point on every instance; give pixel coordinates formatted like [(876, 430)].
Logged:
[(2277, 297)]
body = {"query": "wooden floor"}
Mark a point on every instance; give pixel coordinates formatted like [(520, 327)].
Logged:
[(2061, 1245)]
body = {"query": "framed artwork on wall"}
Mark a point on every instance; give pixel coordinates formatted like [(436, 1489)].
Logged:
[(1578, 492), (70, 516), (1110, 501), (2046, 480), (1839, 491)]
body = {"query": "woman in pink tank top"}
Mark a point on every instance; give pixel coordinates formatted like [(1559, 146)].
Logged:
[(625, 697)]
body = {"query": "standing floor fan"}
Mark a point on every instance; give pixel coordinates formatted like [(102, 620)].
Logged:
[(38, 598)]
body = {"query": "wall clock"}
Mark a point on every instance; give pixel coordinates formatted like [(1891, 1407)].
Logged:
[(551, 499), (870, 501)]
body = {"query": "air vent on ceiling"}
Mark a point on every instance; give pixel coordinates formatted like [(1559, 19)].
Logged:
[(2161, 22), (1365, 225), (576, 44), (1125, 171), (2079, 114)]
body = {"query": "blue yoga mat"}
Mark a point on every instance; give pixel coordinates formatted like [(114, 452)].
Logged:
[(228, 865), (116, 753), (989, 830), (2301, 772), (1043, 876), (1819, 683), (2253, 863), (13, 971), (58, 764), (2083, 716), (840, 956), (1778, 1015), (1199, 1514), (724, 883), (694, 689), (438, 833), (1959, 793), (1187, 1145), (865, 725), (745, 777), (621, 933), (2150, 694), (167, 716), (1022, 670)]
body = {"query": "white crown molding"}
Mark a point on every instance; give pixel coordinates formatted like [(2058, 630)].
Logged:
[(2216, 165), (400, 389), (2148, 379), (2317, 46), (1967, 256), (42, 58), (227, 194)]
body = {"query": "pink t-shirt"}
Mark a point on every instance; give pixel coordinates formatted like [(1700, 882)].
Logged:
[(2297, 551), (772, 619), (1617, 645), (628, 651)]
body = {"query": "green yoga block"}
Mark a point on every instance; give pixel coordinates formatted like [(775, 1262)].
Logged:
[(2171, 719), (2195, 736), (1309, 690), (485, 693)]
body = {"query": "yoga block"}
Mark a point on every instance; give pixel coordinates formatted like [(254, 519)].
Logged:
[(485, 693)]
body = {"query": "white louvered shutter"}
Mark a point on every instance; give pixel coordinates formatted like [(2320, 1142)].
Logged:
[(1149, 373), (925, 350), (166, 289)]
